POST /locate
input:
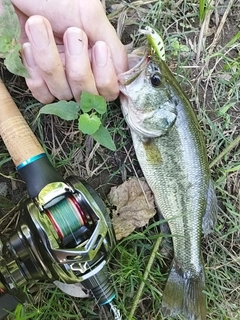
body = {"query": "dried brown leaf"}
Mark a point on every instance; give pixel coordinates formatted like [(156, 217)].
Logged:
[(74, 290), (134, 204)]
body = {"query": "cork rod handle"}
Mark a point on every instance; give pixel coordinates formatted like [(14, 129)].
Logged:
[(14, 130)]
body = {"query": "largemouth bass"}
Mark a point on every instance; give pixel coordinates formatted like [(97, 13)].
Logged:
[(172, 154)]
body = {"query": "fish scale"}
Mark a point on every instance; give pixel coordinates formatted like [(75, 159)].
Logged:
[(169, 175), (171, 152)]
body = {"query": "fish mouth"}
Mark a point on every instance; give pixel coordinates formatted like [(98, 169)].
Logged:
[(137, 62)]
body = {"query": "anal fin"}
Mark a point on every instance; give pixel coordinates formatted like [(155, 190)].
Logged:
[(210, 216)]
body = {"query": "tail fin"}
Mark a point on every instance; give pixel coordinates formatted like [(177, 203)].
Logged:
[(184, 295)]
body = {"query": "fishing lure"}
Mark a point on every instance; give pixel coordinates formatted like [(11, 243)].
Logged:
[(155, 41)]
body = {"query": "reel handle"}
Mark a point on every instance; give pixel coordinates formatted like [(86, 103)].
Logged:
[(16, 134)]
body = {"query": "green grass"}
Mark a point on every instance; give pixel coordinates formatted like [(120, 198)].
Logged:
[(139, 272)]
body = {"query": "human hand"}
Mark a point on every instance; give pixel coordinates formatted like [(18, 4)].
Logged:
[(69, 46)]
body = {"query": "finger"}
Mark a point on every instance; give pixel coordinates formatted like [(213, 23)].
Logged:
[(46, 56), (79, 14), (104, 71), (101, 29), (35, 82), (77, 63)]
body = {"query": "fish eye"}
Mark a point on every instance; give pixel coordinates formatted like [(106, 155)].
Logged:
[(155, 79)]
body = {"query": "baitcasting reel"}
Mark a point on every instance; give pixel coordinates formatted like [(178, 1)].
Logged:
[(65, 234)]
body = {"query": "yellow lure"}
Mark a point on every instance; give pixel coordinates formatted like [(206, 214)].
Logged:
[(155, 41)]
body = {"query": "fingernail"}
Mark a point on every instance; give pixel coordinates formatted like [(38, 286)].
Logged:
[(101, 53), (28, 55), (74, 41), (39, 32)]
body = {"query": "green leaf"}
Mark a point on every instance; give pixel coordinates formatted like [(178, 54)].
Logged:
[(5, 46), (14, 63), (103, 137), (89, 124), (234, 39), (66, 110), (5, 203), (201, 10), (9, 24), (9, 40), (90, 101), (18, 311)]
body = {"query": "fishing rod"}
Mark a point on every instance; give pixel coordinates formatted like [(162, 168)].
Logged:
[(64, 233)]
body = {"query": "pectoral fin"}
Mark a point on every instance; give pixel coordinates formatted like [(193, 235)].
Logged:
[(210, 217), (159, 121)]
